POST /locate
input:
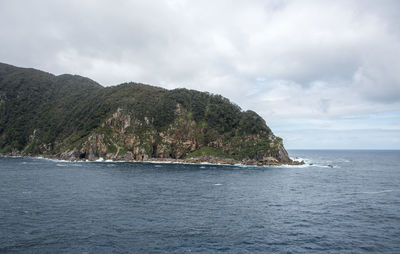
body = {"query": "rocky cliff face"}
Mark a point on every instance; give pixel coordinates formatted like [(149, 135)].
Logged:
[(123, 137)]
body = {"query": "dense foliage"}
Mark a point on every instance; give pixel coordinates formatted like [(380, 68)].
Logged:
[(39, 108)]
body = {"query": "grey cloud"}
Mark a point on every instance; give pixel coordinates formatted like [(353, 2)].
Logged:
[(173, 41)]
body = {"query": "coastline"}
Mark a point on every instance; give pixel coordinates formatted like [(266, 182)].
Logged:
[(193, 161)]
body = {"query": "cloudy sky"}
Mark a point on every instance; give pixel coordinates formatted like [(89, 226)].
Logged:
[(323, 74)]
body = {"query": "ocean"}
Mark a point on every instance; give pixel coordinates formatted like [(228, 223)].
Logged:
[(51, 206)]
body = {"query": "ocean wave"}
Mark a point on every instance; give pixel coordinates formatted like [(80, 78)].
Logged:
[(342, 160), (102, 160), (374, 192), (53, 160), (299, 159), (317, 163)]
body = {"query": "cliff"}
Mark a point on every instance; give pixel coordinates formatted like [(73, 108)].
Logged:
[(72, 117)]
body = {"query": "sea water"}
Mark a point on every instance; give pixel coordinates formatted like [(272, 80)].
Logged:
[(119, 207)]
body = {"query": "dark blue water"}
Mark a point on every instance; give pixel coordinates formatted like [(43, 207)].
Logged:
[(63, 207)]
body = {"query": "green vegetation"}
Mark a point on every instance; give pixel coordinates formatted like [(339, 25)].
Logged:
[(43, 113), (208, 151)]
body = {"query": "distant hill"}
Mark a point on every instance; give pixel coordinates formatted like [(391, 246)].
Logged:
[(73, 117)]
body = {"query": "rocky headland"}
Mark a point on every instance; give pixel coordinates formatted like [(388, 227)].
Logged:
[(73, 118)]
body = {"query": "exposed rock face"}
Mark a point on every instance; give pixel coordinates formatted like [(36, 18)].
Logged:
[(71, 155), (118, 138), (119, 121), (283, 155)]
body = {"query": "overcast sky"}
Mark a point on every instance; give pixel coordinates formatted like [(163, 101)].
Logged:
[(323, 74)]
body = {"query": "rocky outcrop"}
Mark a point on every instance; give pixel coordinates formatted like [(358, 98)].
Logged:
[(124, 137)]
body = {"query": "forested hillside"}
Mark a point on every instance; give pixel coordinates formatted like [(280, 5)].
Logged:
[(73, 117)]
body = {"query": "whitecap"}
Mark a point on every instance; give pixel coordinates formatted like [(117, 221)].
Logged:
[(375, 192), (299, 159), (53, 160)]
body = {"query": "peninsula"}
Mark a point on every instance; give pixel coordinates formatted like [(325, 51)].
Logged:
[(71, 117)]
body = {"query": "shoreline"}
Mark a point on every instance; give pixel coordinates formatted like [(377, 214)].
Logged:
[(192, 161)]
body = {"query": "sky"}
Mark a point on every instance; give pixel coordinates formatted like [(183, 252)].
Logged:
[(323, 74)]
